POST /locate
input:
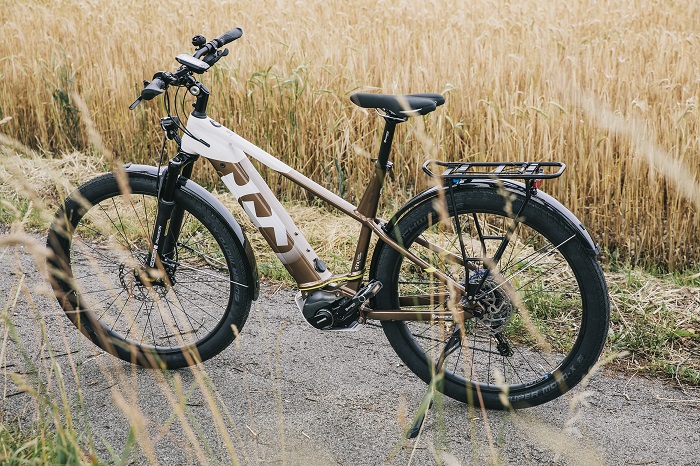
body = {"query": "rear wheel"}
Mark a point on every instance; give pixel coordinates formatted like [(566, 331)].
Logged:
[(545, 312), (170, 316)]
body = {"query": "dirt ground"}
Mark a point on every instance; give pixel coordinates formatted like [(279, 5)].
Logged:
[(289, 394)]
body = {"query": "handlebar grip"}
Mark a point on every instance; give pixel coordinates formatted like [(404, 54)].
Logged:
[(153, 89), (229, 36)]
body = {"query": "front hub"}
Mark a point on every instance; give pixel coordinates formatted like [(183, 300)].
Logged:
[(141, 282)]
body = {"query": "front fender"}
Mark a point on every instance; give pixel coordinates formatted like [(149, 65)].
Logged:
[(223, 213)]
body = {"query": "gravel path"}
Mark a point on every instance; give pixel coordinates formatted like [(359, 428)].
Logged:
[(288, 394)]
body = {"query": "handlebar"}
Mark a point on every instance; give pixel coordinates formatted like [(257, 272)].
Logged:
[(208, 53), (220, 41), (153, 89), (229, 36)]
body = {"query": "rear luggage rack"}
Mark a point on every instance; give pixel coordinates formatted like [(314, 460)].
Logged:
[(496, 170)]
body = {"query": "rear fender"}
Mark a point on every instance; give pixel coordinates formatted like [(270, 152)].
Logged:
[(516, 187)]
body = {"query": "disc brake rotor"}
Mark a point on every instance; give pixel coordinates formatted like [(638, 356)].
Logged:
[(496, 299)]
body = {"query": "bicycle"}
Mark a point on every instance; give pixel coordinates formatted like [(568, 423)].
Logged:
[(484, 285)]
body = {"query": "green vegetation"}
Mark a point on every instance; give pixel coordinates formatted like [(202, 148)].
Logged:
[(655, 317), (37, 446)]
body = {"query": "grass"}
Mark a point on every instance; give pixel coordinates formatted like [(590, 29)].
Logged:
[(51, 438), (526, 80), (34, 446), (656, 318)]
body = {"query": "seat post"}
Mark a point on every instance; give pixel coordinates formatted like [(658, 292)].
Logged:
[(385, 147)]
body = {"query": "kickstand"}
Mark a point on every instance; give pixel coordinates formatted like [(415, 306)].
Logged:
[(452, 344)]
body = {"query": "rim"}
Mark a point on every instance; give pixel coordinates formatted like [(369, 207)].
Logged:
[(532, 304), (180, 306)]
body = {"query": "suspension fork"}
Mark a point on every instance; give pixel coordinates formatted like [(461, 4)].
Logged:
[(168, 224)]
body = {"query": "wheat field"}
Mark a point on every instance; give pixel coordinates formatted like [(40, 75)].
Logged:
[(611, 88)]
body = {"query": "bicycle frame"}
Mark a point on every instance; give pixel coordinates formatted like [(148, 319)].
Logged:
[(227, 151)]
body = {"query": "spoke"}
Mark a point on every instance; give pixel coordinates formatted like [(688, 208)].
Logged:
[(510, 278), (217, 319), (127, 245), (119, 315), (201, 238), (149, 324), (549, 247), (541, 274), (110, 304), (143, 227), (549, 286), (166, 332), (89, 228), (103, 290), (181, 309), (208, 259), (211, 274), (212, 294), (121, 222), (96, 303), (194, 328), (134, 320), (512, 250), (208, 284), (516, 373), (191, 236), (93, 274), (421, 334), (107, 259)]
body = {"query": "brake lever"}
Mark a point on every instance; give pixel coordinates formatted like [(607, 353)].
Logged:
[(136, 103)]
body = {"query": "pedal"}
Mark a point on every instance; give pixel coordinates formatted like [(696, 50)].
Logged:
[(346, 309)]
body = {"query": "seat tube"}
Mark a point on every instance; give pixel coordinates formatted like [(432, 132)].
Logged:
[(369, 204)]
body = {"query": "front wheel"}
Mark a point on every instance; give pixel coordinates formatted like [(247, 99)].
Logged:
[(545, 304), (184, 311)]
